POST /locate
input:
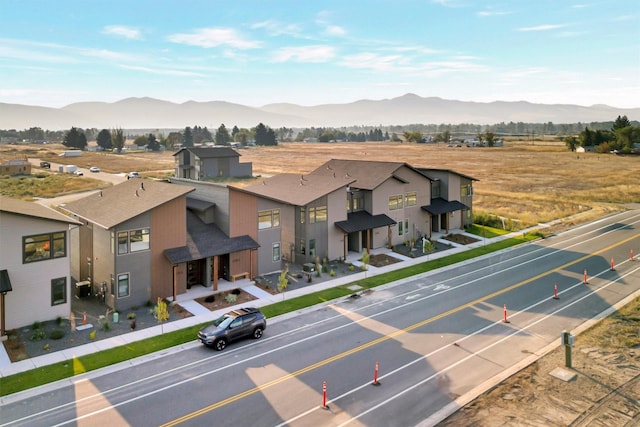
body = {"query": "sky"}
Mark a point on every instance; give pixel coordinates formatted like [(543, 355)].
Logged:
[(250, 52)]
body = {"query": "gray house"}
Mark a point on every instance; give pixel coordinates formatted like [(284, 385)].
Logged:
[(201, 163)]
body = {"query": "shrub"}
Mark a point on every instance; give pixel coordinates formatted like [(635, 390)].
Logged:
[(58, 320), (332, 273), (38, 335), (231, 298), (92, 335), (36, 325), (56, 334), (236, 291), (131, 316)]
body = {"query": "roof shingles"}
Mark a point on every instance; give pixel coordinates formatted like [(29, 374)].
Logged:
[(115, 205)]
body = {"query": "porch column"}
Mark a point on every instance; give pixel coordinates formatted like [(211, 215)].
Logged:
[(345, 240), (447, 221), (175, 282), (207, 271), (368, 239), (214, 276)]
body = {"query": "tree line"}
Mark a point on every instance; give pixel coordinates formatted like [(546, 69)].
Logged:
[(621, 137)]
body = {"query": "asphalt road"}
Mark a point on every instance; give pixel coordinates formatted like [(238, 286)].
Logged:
[(438, 338)]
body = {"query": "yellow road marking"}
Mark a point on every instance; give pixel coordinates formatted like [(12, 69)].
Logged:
[(382, 339)]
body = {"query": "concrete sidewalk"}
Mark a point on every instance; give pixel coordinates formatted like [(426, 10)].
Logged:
[(202, 314)]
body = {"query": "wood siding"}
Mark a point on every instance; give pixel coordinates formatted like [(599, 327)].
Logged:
[(168, 230)]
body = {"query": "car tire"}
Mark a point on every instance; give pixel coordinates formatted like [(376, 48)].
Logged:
[(257, 333), (220, 344)]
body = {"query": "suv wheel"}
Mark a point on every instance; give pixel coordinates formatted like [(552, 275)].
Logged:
[(220, 344), (257, 333)]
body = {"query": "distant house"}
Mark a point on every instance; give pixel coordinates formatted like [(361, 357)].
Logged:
[(34, 261), (15, 167), (201, 163)]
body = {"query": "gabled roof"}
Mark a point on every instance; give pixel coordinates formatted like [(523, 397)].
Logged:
[(425, 172), (210, 152), (207, 240), (294, 189), (33, 209), (439, 206), (115, 205), (363, 220), (365, 174)]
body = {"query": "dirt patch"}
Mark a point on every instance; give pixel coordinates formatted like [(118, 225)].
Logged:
[(381, 260), (606, 359), (225, 299), (460, 239)]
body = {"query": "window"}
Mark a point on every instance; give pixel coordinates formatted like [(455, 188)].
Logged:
[(303, 214), (139, 240), (317, 214), (133, 241), (466, 190), (268, 219), (123, 285), (312, 247), (435, 189), (302, 247), (400, 232), (276, 252), (410, 199), (44, 246), (58, 291), (406, 226), (395, 202)]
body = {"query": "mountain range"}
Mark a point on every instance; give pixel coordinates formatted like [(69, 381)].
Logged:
[(150, 113)]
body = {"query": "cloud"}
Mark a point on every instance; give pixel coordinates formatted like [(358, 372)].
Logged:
[(214, 37), (485, 13), (375, 61), (55, 53), (545, 27), (314, 53), (335, 30), (275, 28), (122, 31), (162, 71)]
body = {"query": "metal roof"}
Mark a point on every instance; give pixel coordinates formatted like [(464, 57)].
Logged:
[(363, 220), (439, 206), (207, 240)]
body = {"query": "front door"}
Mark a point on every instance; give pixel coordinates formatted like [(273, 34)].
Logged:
[(194, 273)]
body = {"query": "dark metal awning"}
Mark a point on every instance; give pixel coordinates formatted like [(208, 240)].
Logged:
[(363, 220), (5, 282), (439, 206)]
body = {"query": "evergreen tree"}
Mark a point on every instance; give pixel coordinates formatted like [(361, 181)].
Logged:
[(187, 137), (75, 138), (104, 139)]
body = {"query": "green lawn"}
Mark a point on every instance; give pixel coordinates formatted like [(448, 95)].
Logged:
[(79, 365)]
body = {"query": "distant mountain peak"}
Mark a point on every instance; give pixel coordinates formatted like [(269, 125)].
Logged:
[(152, 113)]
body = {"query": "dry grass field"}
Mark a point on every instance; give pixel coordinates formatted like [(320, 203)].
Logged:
[(529, 182)]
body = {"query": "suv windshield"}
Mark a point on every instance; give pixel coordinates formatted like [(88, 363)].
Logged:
[(223, 321)]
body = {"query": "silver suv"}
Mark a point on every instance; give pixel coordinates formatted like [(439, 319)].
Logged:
[(133, 175), (236, 324)]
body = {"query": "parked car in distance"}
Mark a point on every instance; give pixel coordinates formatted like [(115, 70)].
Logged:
[(133, 175), (234, 325), (45, 165), (79, 173), (94, 169)]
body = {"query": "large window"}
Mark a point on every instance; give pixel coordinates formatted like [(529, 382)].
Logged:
[(123, 285), (133, 241), (44, 246), (268, 219), (411, 198), (466, 190), (317, 214), (435, 189), (395, 202), (276, 252), (58, 291)]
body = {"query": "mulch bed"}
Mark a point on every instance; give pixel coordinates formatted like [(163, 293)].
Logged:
[(225, 299)]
